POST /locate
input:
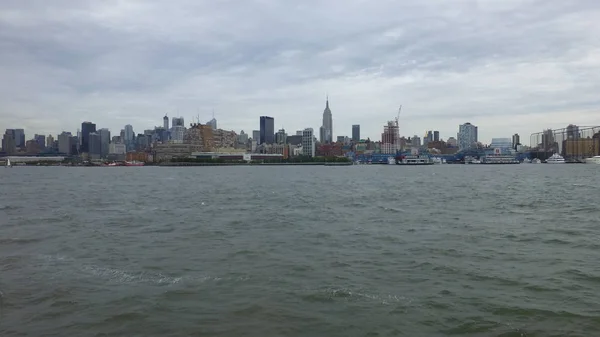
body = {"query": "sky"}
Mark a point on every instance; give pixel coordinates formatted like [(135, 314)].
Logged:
[(506, 66)]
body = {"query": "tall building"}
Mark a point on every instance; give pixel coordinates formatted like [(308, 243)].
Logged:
[(8, 142), (129, 137), (64, 143), (267, 130), (256, 136), (436, 136), (104, 142), (573, 132), (177, 121), (516, 140), (50, 142), (243, 138), (41, 141), (356, 133), (86, 129), (94, 145), (212, 123), (177, 133), (280, 137), (467, 136), (308, 142), (390, 138), (326, 130), (416, 141), (166, 122), (19, 137)]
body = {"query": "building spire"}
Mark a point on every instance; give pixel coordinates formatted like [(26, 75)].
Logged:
[(326, 101)]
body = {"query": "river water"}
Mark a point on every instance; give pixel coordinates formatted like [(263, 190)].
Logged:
[(448, 250)]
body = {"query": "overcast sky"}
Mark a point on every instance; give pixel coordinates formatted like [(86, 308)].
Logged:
[(506, 66)]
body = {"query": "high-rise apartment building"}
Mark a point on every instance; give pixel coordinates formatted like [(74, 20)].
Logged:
[(86, 129), (308, 142), (356, 133), (267, 130), (467, 136)]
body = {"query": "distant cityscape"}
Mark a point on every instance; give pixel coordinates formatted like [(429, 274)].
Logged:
[(173, 139)]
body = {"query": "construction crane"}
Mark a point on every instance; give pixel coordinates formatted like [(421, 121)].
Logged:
[(398, 118)]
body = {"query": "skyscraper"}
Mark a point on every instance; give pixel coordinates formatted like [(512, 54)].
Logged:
[(94, 145), (86, 129), (356, 133), (256, 136), (64, 143), (436, 136), (308, 142), (467, 136), (129, 137), (8, 142), (19, 137), (166, 122), (267, 130), (177, 121), (516, 140), (104, 141), (326, 131)]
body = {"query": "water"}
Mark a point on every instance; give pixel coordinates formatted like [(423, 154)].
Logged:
[(450, 250)]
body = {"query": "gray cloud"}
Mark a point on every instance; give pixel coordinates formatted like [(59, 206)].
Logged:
[(507, 66)]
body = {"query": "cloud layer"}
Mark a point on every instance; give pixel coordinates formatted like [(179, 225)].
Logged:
[(506, 66)]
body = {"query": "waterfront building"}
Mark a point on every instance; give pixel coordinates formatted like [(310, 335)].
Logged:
[(326, 130), (267, 130), (117, 148), (356, 133), (8, 142), (308, 142), (467, 136)]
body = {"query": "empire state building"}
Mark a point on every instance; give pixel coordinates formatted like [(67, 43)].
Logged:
[(326, 134)]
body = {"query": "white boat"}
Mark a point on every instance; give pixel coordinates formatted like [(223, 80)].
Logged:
[(526, 161), (555, 159), (536, 161), (8, 164), (414, 160), (593, 160), (391, 161)]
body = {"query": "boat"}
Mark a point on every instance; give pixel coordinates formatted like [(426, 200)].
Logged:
[(414, 160), (593, 160), (526, 161), (536, 161), (555, 159), (8, 164), (499, 159), (134, 163), (391, 161), (472, 160)]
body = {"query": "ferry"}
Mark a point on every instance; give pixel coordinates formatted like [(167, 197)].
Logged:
[(555, 159), (498, 159), (134, 163), (414, 160), (593, 160)]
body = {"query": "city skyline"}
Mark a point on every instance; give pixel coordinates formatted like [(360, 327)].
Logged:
[(446, 63)]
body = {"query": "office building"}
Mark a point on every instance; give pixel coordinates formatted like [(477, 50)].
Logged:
[(104, 141), (516, 140), (86, 129), (64, 143), (326, 130), (280, 137), (356, 133), (256, 136), (128, 137), (267, 130), (94, 145), (436, 136), (178, 121)]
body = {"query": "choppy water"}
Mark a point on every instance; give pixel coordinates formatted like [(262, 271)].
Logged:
[(451, 250)]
